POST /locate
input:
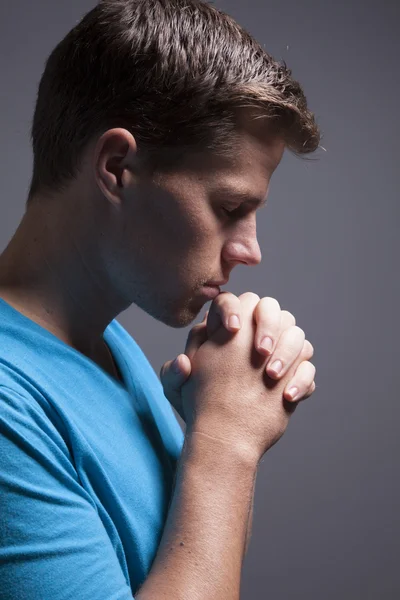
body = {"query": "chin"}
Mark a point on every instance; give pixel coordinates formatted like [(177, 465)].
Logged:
[(173, 312), (178, 318)]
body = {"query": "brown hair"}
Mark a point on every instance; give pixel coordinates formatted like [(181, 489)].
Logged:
[(173, 72)]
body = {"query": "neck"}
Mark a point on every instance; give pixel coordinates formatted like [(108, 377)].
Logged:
[(53, 271)]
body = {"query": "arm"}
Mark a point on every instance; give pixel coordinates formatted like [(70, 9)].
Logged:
[(202, 549), (250, 520), (53, 542)]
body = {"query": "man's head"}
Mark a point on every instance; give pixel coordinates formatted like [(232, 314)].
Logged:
[(162, 114)]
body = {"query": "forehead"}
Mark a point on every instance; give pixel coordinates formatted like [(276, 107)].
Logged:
[(248, 168), (244, 172)]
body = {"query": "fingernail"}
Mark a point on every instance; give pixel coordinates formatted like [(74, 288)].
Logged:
[(266, 344), (234, 321), (292, 392), (276, 367), (175, 366)]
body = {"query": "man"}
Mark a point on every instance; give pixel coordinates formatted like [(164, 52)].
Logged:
[(157, 128)]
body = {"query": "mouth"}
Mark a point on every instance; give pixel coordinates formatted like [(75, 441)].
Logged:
[(217, 283), (211, 291)]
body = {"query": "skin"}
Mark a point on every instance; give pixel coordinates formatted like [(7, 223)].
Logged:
[(117, 236), (289, 344)]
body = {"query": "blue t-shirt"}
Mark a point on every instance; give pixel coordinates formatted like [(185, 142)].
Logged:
[(87, 465)]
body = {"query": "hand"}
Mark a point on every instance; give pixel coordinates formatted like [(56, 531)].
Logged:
[(230, 396), (270, 321)]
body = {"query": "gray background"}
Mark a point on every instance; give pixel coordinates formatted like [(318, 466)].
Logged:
[(326, 522)]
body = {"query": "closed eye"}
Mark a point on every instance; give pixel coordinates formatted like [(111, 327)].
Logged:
[(229, 210), (236, 212)]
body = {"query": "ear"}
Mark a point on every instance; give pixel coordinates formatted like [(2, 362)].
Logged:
[(115, 163)]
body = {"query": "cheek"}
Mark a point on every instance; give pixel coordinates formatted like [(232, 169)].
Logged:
[(196, 229)]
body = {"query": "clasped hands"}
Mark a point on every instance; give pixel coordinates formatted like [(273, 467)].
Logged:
[(288, 343)]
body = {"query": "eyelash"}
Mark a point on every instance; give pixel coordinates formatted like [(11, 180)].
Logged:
[(232, 212)]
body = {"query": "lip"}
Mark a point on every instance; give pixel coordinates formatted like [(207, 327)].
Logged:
[(217, 283), (211, 291)]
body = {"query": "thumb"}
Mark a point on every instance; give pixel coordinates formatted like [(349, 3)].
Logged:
[(172, 380), (196, 338)]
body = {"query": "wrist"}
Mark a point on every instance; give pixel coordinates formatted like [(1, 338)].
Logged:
[(235, 451)]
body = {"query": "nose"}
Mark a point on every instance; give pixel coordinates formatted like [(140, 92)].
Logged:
[(243, 248)]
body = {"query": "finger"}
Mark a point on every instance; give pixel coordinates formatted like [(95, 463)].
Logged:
[(223, 307), (308, 350), (306, 353), (287, 320), (289, 346), (177, 369), (270, 321), (310, 391), (172, 381), (181, 365), (301, 383), (267, 315), (196, 337)]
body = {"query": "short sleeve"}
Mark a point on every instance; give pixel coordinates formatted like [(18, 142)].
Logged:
[(52, 541)]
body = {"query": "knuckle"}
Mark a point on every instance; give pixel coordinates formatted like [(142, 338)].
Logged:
[(268, 311), (270, 302), (226, 301), (268, 319), (291, 340), (313, 370), (304, 382), (301, 386), (309, 348), (307, 370), (288, 318), (249, 296), (299, 331), (222, 298)]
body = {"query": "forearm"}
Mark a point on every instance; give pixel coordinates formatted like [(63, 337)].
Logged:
[(202, 548), (250, 522)]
